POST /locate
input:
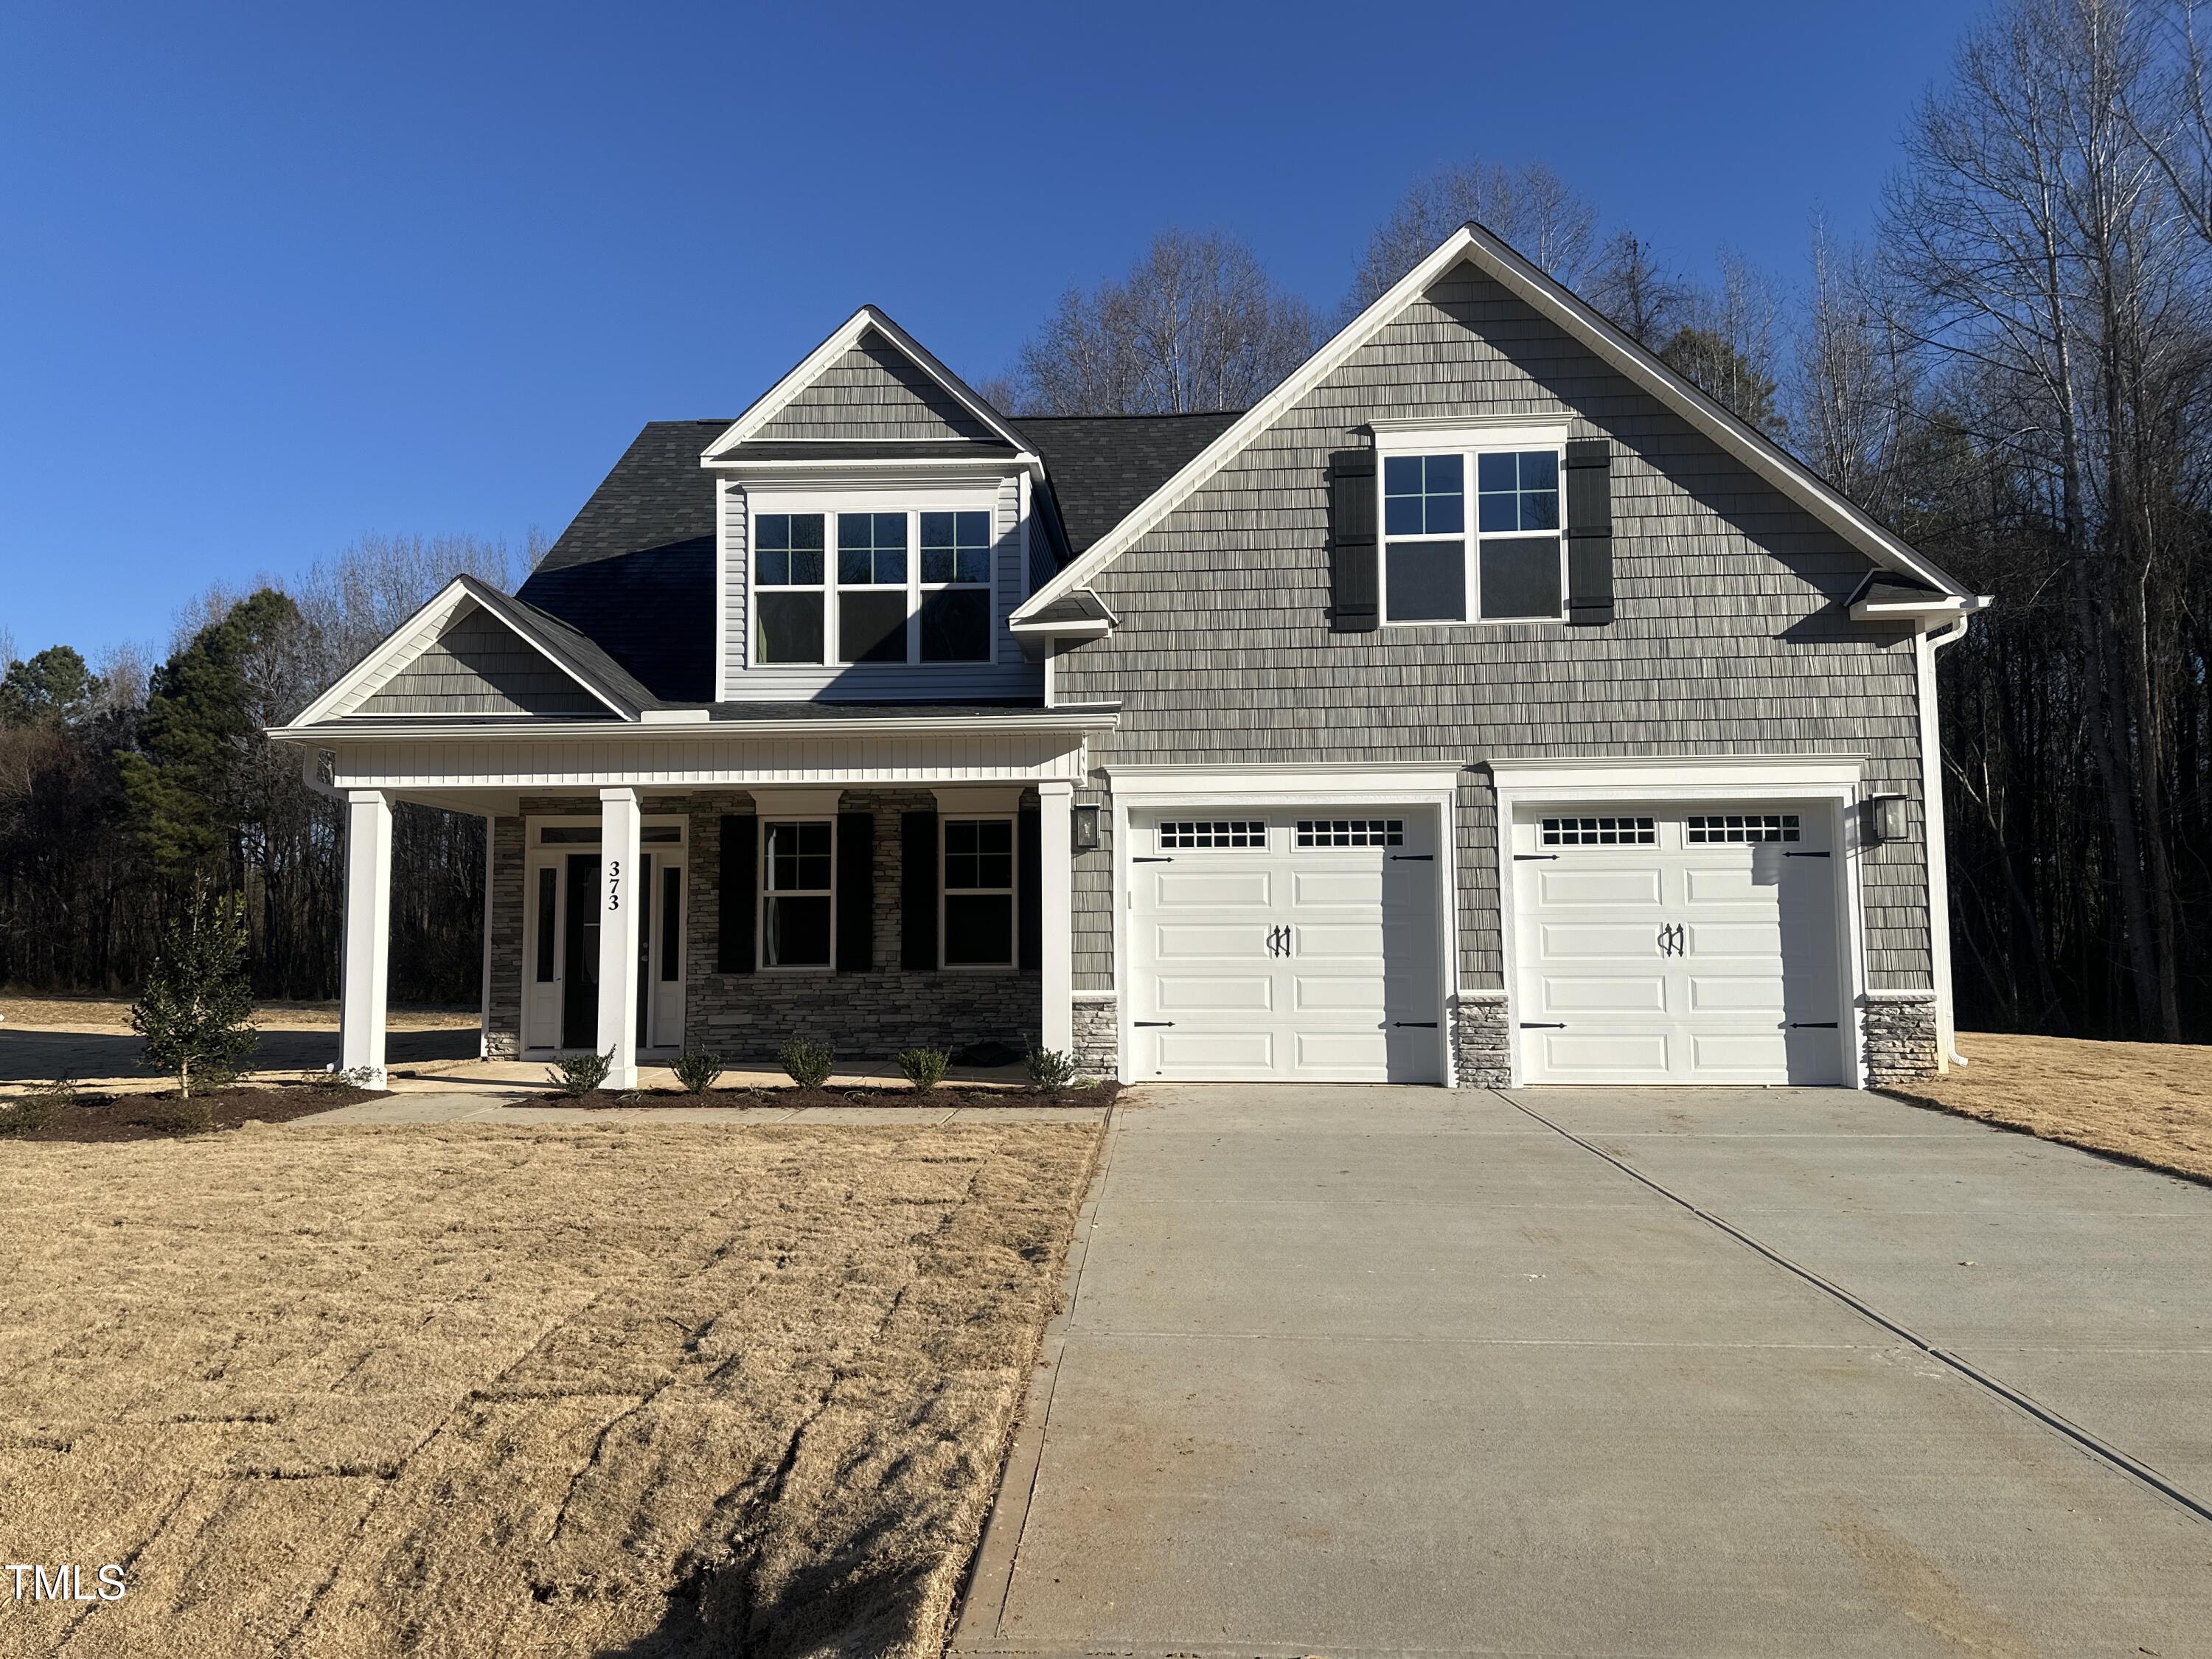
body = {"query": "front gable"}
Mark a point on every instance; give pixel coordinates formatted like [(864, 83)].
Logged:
[(875, 393), (479, 665)]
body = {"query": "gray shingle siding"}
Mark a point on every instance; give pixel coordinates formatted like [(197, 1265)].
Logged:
[(1731, 637), (873, 392), (478, 666)]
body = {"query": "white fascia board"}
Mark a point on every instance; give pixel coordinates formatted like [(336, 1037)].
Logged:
[(536, 728), (1354, 780), (1944, 605), (1470, 242), (1675, 776), (773, 402)]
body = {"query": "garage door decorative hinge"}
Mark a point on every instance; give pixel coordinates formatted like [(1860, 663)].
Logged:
[(1543, 1025), (1523, 857), (1413, 858), (1155, 1022), (1812, 1025), (1151, 859), (1804, 855), (1418, 1025)]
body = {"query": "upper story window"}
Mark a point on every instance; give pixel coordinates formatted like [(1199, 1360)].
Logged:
[(1508, 565), (875, 602)]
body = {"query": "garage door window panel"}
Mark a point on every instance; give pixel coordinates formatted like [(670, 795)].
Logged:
[(1599, 832), (1213, 835)]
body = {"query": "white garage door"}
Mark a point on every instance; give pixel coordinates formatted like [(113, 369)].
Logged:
[(1291, 943), (1678, 944)]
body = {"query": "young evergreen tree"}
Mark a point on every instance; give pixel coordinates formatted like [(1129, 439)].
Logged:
[(197, 1014)]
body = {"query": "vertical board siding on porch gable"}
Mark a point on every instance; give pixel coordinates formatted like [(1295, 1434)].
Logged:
[(1729, 635), (874, 392)]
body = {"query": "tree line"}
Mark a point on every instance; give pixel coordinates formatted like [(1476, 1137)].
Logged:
[(125, 787), (2013, 370)]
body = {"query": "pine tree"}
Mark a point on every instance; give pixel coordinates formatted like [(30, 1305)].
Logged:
[(197, 1010)]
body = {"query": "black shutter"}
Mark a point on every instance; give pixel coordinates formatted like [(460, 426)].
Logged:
[(1028, 901), (740, 872), (1589, 532), (918, 878), (856, 892), (1353, 607)]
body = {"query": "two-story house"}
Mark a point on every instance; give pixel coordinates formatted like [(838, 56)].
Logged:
[(1485, 706)]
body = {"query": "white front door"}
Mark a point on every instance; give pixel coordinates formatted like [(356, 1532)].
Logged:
[(1285, 944), (1675, 944)]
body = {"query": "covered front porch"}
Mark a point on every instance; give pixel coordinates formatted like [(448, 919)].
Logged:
[(900, 881)]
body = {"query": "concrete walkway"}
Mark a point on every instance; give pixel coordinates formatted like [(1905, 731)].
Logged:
[(1354, 1372)]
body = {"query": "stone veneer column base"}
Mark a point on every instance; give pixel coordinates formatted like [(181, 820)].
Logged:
[(1900, 1036), (1482, 1052), (1097, 1034)]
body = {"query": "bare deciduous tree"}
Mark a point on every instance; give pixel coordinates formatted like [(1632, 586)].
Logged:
[(1531, 207), (1630, 287), (1196, 325)]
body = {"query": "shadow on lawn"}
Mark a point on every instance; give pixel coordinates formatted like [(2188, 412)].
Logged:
[(31, 1056)]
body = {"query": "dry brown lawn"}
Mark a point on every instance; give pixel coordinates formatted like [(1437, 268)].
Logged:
[(446, 1390), (2148, 1101), (97, 1014)]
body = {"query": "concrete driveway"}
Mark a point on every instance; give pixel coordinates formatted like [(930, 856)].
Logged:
[(1368, 1371)]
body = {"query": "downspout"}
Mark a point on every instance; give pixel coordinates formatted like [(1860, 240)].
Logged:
[(1926, 644)]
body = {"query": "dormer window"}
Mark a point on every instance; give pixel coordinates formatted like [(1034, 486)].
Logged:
[(905, 584)]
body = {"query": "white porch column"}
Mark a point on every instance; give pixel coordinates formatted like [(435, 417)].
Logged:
[(1056, 892), (619, 897), (365, 957)]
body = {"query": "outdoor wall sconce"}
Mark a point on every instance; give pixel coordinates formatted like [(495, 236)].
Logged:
[(1886, 816), (1083, 832)]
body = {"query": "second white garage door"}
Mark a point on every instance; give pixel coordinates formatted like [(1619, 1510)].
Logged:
[(1285, 944), (1678, 944)]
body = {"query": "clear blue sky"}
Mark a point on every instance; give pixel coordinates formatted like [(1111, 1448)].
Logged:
[(275, 277)]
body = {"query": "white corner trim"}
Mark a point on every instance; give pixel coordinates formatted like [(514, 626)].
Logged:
[(1499, 262), (773, 402)]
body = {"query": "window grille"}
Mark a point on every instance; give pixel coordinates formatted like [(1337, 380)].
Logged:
[(1352, 832), (1599, 832), (1214, 833), (1717, 828)]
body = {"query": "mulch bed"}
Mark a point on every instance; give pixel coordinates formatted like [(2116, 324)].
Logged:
[(155, 1116), (944, 1096)]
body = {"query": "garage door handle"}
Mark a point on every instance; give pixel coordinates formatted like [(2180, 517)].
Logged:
[(1812, 1025), (1418, 1025), (1543, 1025), (1155, 1022)]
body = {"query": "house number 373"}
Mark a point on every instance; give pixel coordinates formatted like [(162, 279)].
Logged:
[(614, 884)]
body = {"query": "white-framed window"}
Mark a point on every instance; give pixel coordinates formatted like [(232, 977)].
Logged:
[(870, 581), (797, 893), (1599, 832), (1474, 529), (789, 587), (1721, 828), (1352, 832), (1212, 833), (977, 926)]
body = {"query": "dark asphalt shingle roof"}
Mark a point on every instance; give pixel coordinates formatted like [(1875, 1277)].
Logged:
[(1104, 467)]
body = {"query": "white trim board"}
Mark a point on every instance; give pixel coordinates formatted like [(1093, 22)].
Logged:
[(1473, 244), (1831, 779)]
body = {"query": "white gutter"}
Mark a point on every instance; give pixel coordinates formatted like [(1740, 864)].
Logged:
[(1052, 719)]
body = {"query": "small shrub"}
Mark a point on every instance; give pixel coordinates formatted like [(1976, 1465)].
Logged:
[(183, 1116), (22, 1116), (577, 1075), (197, 1014), (925, 1068), (807, 1061), (696, 1070), (1051, 1069)]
